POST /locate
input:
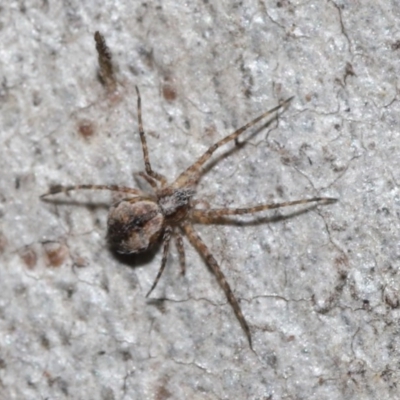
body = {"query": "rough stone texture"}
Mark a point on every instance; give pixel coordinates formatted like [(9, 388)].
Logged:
[(320, 290)]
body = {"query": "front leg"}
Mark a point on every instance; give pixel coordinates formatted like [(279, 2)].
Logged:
[(149, 170)]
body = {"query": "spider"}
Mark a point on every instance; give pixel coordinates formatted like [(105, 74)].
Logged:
[(140, 220)]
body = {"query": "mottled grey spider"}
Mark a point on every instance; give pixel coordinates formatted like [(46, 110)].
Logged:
[(140, 220)]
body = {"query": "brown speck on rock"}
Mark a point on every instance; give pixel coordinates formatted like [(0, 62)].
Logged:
[(169, 92), (86, 129), (55, 253), (308, 97), (28, 256)]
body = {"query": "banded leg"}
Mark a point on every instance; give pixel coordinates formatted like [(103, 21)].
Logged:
[(166, 240), (181, 251), (146, 157), (194, 169), (201, 247), (65, 189), (200, 215)]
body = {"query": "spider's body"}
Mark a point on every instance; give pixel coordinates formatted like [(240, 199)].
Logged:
[(133, 226), (139, 220)]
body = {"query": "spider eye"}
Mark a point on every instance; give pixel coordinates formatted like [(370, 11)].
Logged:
[(134, 227)]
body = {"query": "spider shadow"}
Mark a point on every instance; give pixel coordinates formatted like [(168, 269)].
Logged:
[(139, 259)]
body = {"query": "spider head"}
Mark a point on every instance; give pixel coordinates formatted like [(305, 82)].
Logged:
[(134, 225)]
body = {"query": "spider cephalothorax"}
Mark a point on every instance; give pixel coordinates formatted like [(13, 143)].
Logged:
[(139, 220)]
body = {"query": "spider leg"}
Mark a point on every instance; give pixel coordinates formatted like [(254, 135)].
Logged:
[(192, 173), (181, 251), (65, 189), (204, 215), (149, 180), (201, 247), (146, 157), (166, 240)]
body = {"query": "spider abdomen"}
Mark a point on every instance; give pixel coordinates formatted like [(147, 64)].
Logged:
[(134, 225)]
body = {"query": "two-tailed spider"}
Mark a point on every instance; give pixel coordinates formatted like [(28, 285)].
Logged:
[(140, 220)]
